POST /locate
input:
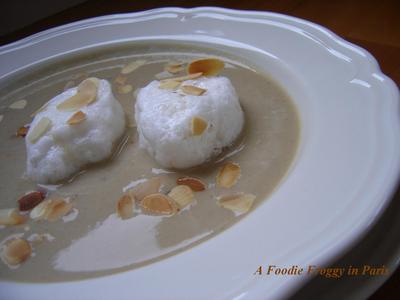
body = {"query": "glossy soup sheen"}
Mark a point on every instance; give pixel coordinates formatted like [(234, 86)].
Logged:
[(92, 240)]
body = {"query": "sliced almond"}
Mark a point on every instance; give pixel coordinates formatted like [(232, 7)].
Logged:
[(51, 210), (1, 118), (194, 183), (16, 251), (10, 216), (198, 126), (20, 104), (125, 207), (193, 90), (182, 195), (186, 77), (228, 175), (30, 200), (85, 95), (77, 118), (34, 134), (22, 131), (124, 89), (39, 211), (120, 79), (58, 209), (240, 203), (208, 66), (132, 66), (158, 204), (169, 85), (151, 186), (174, 68)]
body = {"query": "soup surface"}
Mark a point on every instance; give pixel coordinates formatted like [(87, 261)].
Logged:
[(92, 240)]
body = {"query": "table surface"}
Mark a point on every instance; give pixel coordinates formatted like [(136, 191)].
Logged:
[(373, 25)]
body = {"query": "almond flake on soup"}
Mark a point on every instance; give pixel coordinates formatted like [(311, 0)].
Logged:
[(11, 216), (16, 251), (125, 207), (150, 186), (207, 66), (182, 195), (158, 204), (132, 66), (240, 203), (51, 210), (20, 104), (174, 67), (22, 131), (194, 183), (228, 175)]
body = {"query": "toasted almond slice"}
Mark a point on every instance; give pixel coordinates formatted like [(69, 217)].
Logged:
[(85, 95), (174, 68), (194, 183), (30, 200), (39, 211), (158, 204), (208, 66), (34, 134), (10, 216), (169, 85), (124, 89), (51, 210), (186, 77), (125, 207), (182, 195), (16, 251), (151, 186), (77, 118), (228, 175), (132, 66), (240, 203), (58, 208), (20, 104), (120, 79), (198, 126), (22, 131), (193, 90)]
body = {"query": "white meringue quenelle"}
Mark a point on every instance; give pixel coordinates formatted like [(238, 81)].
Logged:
[(77, 127), (166, 119)]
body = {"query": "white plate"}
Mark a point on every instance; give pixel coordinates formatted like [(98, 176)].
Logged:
[(343, 177)]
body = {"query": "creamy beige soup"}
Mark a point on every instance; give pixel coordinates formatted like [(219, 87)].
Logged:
[(92, 240)]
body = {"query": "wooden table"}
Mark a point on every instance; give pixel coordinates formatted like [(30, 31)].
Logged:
[(373, 25)]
